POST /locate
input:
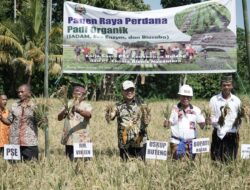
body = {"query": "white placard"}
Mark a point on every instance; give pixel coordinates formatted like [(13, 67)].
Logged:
[(83, 150), (245, 151), (200, 145), (156, 150), (12, 152)]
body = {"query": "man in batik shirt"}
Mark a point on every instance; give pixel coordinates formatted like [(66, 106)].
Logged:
[(131, 130), (23, 129)]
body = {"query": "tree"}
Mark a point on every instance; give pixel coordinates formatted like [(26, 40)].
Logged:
[(174, 3)]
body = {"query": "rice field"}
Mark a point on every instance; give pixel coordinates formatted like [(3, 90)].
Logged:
[(106, 171)]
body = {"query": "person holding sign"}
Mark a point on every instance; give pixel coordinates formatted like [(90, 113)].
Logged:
[(76, 115), (133, 118), (225, 108), (4, 129), (183, 120), (23, 129)]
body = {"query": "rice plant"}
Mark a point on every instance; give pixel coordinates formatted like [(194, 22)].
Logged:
[(106, 171)]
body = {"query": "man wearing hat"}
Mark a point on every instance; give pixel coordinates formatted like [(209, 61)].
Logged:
[(224, 107), (76, 117), (132, 122), (183, 120)]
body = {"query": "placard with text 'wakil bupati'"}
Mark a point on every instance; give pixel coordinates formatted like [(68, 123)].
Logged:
[(200, 145), (245, 151), (12, 152), (83, 150), (156, 150)]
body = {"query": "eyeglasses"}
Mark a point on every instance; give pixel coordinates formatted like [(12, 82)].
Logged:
[(129, 90)]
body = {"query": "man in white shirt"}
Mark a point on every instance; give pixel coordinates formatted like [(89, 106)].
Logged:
[(183, 120), (225, 137)]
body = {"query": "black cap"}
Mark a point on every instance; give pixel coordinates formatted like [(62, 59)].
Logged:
[(226, 78)]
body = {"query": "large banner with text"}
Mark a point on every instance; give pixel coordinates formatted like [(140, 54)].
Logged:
[(196, 38)]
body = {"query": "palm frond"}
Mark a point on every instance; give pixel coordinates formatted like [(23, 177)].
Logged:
[(11, 43)]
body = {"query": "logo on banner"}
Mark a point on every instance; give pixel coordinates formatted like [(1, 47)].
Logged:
[(156, 150), (83, 150), (12, 152), (200, 145), (80, 9)]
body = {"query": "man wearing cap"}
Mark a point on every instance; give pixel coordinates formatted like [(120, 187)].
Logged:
[(132, 123), (183, 120), (76, 117), (225, 137)]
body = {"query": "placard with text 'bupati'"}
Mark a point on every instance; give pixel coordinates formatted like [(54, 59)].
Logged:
[(12, 152), (83, 150), (245, 151), (156, 150), (200, 145)]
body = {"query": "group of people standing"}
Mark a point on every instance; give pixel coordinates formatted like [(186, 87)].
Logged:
[(133, 118), (122, 53), (224, 106)]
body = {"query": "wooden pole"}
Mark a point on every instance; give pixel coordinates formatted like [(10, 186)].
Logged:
[(246, 26), (14, 11), (46, 75)]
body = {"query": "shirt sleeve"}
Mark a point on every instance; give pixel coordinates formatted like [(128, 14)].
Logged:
[(200, 118), (214, 116), (173, 116), (87, 107), (10, 116)]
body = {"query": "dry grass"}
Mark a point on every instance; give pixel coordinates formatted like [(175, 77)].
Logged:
[(106, 171)]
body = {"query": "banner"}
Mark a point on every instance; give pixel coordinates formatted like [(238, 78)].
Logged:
[(196, 38)]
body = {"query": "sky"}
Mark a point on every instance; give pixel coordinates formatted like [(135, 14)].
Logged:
[(156, 4)]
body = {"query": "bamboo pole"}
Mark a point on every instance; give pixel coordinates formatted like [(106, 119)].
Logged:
[(46, 75), (14, 11), (246, 26)]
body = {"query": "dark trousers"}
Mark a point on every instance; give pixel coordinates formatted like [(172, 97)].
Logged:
[(125, 153), (29, 153), (1, 151), (225, 149), (69, 151)]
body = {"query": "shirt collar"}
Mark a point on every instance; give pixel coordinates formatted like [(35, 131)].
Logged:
[(132, 102), (29, 104), (220, 97)]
